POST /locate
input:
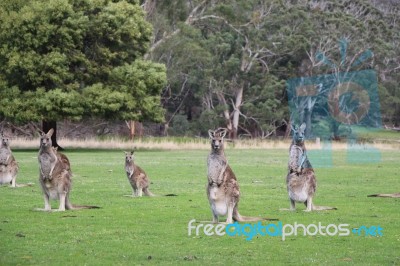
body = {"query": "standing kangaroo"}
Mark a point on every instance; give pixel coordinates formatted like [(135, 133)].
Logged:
[(55, 175), (301, 182), (136, 176), (8, 164), (222, 187)]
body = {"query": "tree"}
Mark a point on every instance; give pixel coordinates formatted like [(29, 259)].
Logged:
[(230, 60), (232, 53), (77, 58), (347, 32)]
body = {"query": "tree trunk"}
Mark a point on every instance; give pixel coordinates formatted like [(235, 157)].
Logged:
[(236, 112), (131, 126), (335, 130), (46, 126), (139, 129), (288, 129), (164, 129), (135, 129), (307, 114), (222, 101)]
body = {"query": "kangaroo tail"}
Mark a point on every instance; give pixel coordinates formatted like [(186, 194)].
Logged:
[(24, 185), (80, 207), (70, 206), (147, 192), (322, 208), (239, 218), (394, 195)]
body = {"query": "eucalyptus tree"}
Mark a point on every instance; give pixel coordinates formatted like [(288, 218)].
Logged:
[(348, 36), (230, 44), (246, 50)]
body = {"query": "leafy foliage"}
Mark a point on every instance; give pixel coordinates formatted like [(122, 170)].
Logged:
[(254, 46), (69, 59)]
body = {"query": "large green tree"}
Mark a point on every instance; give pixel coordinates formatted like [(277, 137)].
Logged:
[(77, 58)]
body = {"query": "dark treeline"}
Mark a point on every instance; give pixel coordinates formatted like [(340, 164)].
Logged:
[(228, 61)]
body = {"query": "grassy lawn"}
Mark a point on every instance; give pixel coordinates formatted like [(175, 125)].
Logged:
[(155, 230)]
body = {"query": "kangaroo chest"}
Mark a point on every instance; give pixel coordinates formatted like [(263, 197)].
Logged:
[(299, 157), (216, 165), (130, 170), (46, 162), (4, 155)]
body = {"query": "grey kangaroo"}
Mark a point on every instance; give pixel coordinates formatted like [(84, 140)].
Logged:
[(55, 175), (136, 176), (222, 187), (301, 182), (8, 165)]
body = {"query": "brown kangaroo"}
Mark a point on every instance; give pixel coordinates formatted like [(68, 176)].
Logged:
[(222, 187), (137, 177), (8, 165), (55, 175), (301, 182)]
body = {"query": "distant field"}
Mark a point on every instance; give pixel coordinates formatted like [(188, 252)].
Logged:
[(155, 230), (383, 139)]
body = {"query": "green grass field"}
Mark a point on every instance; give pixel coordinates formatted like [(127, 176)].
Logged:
[(155, 230)]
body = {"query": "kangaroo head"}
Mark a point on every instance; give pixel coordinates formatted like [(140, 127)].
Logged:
[(298, 134), (45, 139), (129, 157), (4, 140), (217, 138)]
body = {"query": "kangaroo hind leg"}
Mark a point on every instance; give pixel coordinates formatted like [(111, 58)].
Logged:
[(63, 196), (231, 206), (309, 204)]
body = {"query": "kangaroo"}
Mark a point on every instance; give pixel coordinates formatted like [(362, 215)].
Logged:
[(301, 182), (137, 177), (223, 188), (55, 175), (8, 165)]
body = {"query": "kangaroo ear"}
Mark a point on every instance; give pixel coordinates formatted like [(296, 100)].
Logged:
[(131, 152), (211, 133), (293, 128), (50, 133), (303, 127), (223, 133)]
